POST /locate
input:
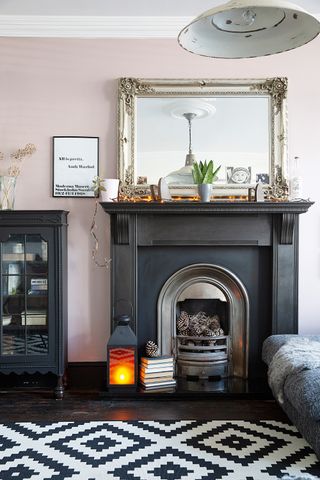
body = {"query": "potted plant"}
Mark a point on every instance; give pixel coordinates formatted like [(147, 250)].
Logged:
[(204, 175)]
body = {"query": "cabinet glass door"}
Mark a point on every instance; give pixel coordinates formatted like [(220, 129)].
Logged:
[(24, 295)]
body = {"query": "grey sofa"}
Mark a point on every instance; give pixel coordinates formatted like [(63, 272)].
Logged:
[(301, 393)]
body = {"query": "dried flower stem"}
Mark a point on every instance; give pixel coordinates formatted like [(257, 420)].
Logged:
[(94, 251), (17, 157)]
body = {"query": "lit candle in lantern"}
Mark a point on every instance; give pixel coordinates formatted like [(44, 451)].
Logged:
[(122, 355), (122, 366)]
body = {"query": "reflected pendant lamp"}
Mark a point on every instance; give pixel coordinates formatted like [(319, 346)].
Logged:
[(249, 28)]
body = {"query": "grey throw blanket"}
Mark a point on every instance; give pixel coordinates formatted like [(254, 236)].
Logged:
[(296, 355), (306, 477)]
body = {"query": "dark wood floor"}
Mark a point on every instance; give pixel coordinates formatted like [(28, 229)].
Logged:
[(17, 406)]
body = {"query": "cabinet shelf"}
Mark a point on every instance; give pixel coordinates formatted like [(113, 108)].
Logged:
[(17, 257), (21, 295), (22, 328)]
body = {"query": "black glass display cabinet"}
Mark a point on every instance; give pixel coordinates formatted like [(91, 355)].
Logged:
[(33, 270)]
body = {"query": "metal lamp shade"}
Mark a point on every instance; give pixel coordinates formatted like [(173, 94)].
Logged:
[(249, 28), (122, 356)]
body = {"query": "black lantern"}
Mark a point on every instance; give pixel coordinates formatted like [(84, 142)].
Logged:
[(122, 355)]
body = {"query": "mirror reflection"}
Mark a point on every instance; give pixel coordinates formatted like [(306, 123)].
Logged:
[(233, 131), (167, 124)]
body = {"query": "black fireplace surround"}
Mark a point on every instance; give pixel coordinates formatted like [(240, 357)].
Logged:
[(257, 242)]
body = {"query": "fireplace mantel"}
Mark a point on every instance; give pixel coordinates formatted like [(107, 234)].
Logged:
[(257, 241), (213, 208), (285, 211)]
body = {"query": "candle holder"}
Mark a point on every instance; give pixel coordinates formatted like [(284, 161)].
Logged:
[(122, 356)]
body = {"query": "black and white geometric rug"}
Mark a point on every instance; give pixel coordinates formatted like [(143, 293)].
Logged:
[(154, 450)]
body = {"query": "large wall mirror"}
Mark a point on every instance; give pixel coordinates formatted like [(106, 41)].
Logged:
[(165, 125)]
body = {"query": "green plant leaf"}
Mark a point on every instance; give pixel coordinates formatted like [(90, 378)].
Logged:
[(204, 172), (214, 175), (205, 169), (197, 173), (98, 185), (208, 177)]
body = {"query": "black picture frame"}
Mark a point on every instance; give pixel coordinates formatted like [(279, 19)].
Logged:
[(75, 163)]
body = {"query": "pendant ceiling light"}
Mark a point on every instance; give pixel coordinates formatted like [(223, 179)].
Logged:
[(190, 110), (249, 28), (190, 157)]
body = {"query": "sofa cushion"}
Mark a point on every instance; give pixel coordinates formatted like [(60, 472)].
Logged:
[(272, 344), (302, 390)]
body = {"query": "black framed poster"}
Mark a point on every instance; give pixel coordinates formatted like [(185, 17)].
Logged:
[(75, 164)]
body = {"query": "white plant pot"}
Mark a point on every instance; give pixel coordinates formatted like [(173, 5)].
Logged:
[(110, 194), (205, 190)]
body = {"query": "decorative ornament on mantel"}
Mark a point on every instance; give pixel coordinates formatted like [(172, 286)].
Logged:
[(129, 192), (248, 29), (12, 171), (204, 174), (280, 189)]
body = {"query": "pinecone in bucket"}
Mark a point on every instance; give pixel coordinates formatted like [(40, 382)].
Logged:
[(152, 349)]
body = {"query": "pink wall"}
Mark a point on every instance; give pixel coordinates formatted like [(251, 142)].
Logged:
[(69, 87)]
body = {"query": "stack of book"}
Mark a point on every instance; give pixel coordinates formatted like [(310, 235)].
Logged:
[(157, 373)]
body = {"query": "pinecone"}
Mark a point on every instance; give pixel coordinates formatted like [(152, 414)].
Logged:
[(202, 318), (218, 332), (212, 333), (214, 322), (196, 326), (207, 332), (152, 349), (183, 323)]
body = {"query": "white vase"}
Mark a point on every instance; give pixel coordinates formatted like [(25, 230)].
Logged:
[(295, 181), (7, 192), (205, 190), (110, 194)]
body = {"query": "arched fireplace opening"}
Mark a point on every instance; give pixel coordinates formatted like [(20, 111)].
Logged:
[(203, 321)]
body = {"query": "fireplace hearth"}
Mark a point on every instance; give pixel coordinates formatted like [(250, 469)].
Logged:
[(234, 262)]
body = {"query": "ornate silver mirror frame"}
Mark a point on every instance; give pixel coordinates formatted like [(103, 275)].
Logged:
[(275, 89)]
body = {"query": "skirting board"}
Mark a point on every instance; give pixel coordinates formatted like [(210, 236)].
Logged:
[(87, 375), (79, 376)]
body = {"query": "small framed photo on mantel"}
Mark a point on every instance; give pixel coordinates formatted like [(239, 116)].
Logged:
[(75, 164)]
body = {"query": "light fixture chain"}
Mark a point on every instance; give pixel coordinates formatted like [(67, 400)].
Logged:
[(190, 136)]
